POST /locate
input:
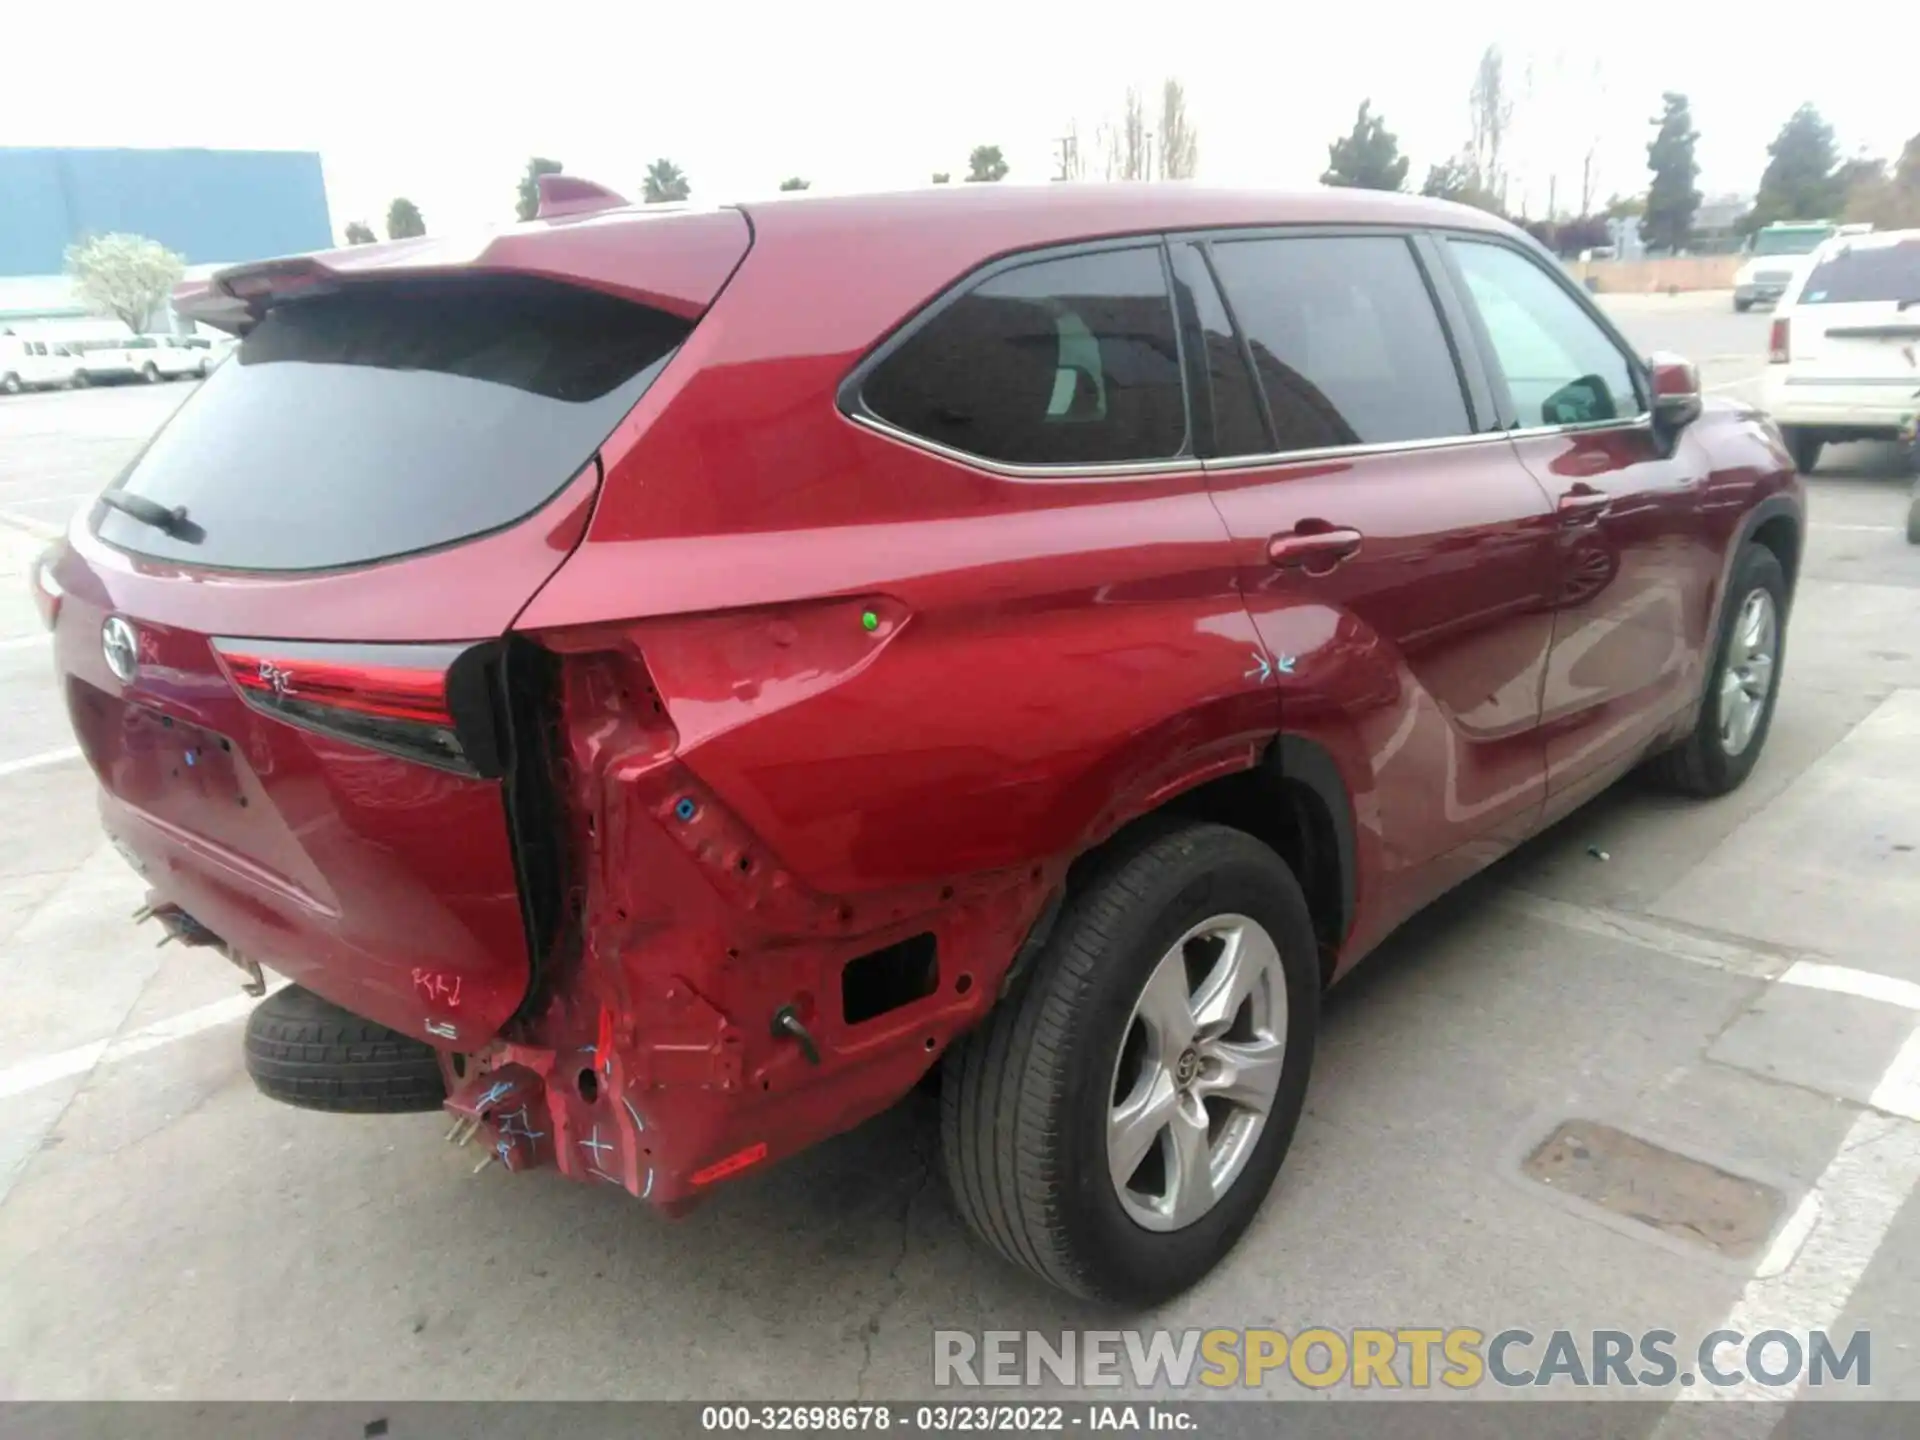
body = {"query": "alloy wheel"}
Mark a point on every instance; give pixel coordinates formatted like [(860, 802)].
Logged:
[(1746, 681), (1198, 1071)]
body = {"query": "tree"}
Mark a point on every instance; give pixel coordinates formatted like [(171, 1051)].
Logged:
[(404, 220), (360, 233), (1799, 181), (528, 205), (796, 183), (1179, 141), (126, 276), (1889, 202), (1367, 157), (1073, 164), (1460, 180), (1672, 198), (1491, 110), (941, 177), (665, 182), (985, 163)]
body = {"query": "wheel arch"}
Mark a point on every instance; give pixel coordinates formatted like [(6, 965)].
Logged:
[(1294, 799)]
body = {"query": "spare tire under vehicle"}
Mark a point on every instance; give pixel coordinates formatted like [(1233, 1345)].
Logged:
[(306, 1051)]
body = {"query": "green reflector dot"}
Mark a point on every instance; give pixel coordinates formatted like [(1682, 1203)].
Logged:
[(870, 621)]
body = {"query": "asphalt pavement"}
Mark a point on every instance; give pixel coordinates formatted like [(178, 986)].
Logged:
[(1733, 985)]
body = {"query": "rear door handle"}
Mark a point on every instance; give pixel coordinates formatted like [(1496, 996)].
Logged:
[(1582, 505), (1315, 551)]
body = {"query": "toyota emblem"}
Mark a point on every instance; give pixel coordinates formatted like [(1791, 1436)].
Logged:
[(121, 647)]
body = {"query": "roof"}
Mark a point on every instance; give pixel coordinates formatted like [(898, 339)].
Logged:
[(678, 257)]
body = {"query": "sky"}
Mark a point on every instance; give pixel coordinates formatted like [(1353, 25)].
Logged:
[(444, 103)]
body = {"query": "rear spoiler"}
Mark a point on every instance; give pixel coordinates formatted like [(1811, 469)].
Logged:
[(676, 261)]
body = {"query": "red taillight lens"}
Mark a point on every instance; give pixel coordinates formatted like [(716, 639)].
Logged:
[(47, 593), (1779, 350), (396, 698)]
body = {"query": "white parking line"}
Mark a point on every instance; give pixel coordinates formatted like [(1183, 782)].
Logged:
[(45, 1069), (35, 762)]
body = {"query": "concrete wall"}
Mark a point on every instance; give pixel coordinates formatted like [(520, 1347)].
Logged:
[(1645, 277)]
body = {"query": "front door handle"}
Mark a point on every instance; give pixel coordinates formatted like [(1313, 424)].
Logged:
[(1315, 550), (1582, 505)]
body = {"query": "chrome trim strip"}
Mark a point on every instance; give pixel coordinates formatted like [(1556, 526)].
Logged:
[(1342, 452), (1125, 469), (1187, 465)]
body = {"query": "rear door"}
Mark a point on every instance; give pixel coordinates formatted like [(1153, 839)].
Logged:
[(1855, 323), (1397, 558), (1636, 571), (277, 629)]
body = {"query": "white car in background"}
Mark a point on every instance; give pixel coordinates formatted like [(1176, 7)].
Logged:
[(107, 359), (29, 364), (162, 357), (1844, 353)]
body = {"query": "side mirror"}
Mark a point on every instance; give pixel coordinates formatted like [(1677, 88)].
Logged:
[(1676, 392)]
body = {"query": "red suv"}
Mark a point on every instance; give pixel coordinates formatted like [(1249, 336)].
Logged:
[(661, 683)]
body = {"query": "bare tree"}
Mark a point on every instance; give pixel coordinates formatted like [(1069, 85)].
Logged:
[(1128, 146), (1491, 109), (1179, 141), (1073, 162)]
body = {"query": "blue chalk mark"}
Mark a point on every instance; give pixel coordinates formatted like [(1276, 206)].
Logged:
[(499, 1088), (594, 1144), (1262, 668), (192, 757), (649, 1186), (686, 809), (1284, 664), (526, 1129), (638, 1123)]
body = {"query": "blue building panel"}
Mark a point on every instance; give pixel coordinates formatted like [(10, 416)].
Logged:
[(210, 206)]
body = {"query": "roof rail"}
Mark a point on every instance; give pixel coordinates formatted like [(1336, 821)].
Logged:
[(573, 195)]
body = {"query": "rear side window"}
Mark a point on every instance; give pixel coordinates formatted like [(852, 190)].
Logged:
[(387, 419), (1069, 361), (1346, 343), (1858, 273), (1561, 368)]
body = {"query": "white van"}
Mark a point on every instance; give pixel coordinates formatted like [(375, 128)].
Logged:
[(162, 357), (27, 364)]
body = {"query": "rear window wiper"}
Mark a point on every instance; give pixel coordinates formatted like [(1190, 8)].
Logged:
[(150, 512)]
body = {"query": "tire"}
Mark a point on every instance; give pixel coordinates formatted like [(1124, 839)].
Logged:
[(10, 383), (1742, 306), (1913, 518), (81, 380), (205, 369), (150, 373), (1704, 764), (308, 1052), (1026, 1099), (1805, 447)]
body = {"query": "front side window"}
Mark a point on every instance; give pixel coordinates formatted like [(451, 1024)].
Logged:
[(1069, 361), (1345, 340), (1561, 368)]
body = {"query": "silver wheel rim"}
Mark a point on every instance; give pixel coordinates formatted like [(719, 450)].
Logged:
[(1198, 1070), (1746, 681)]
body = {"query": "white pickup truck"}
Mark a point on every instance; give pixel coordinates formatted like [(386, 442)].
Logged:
[(27, 364)]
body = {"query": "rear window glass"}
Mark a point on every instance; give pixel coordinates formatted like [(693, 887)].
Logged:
[(1865, 273), (389, 419), (1070, 361)]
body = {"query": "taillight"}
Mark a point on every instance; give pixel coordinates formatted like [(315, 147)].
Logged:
[(1779, 351), (47, 593), (404, 699)]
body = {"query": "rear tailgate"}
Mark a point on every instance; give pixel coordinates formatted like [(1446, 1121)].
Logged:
[(1857, 318), (282, 665)]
